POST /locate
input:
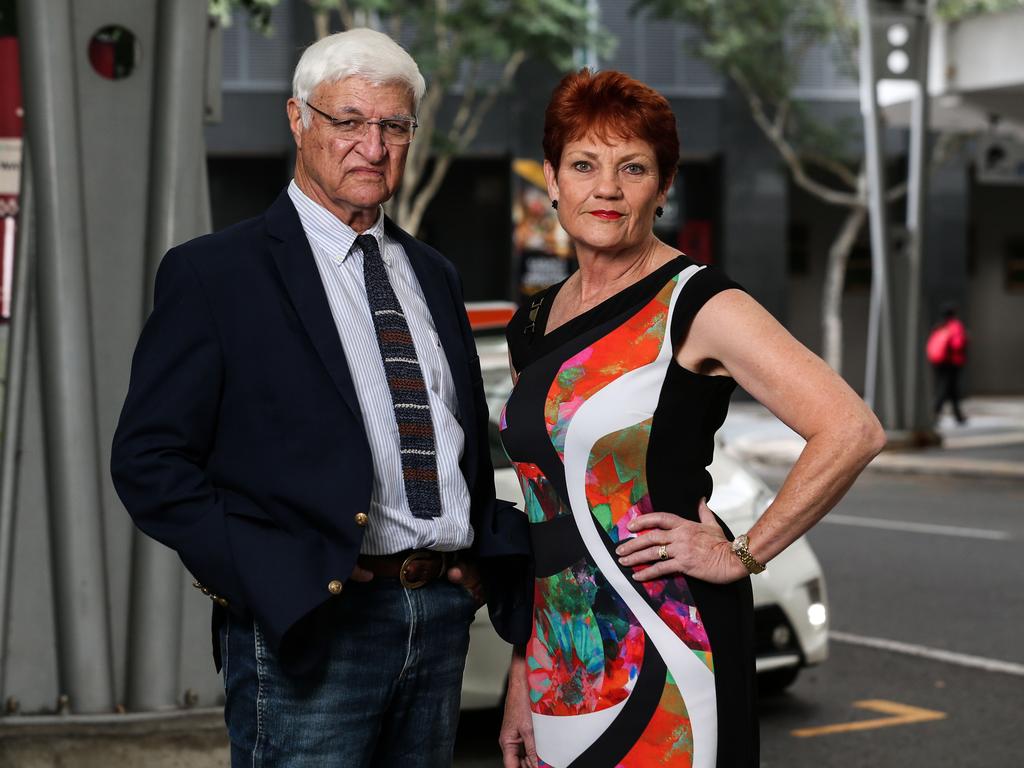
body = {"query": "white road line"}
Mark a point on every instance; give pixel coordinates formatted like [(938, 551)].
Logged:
[(900, 525), (935, 654)]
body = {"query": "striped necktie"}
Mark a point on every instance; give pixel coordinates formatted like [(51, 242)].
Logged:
[(406, 383)]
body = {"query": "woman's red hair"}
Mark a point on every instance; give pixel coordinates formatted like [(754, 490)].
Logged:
[(611, 105)]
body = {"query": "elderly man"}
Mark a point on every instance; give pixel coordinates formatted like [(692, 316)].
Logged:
[(305, 425)]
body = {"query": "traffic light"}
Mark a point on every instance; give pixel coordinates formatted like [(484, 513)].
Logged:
[(897, 37)]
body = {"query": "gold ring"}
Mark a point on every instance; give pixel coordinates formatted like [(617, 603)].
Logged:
[(663, 552)]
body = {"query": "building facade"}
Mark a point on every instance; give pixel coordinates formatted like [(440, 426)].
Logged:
[(733, 199)]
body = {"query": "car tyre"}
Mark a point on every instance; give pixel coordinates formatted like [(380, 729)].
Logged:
[(775, 681)]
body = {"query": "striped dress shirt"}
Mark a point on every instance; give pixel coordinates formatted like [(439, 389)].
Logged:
[(392, 526)]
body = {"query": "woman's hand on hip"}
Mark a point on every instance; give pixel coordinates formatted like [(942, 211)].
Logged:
[(667, 545)]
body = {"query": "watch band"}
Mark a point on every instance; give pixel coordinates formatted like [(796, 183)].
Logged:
[(740, 549)]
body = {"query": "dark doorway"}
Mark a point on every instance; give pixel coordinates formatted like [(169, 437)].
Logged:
[(470, 222), (243, 187)]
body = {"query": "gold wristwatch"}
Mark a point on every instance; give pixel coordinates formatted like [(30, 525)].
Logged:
[(739, 548)]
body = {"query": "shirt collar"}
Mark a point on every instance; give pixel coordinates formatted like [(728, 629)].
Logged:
[(327, 232)]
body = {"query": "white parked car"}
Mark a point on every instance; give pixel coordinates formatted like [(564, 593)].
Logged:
[(790, 602)]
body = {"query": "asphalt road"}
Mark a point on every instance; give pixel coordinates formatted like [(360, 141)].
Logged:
[(934, 565)]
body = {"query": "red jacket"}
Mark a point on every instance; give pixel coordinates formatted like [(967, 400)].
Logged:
[(948, 343)]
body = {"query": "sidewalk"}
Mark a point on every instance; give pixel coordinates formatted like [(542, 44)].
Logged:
[(990, 444), (176, 739)]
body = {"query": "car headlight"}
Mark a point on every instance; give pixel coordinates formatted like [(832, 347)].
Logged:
[(817, 612)]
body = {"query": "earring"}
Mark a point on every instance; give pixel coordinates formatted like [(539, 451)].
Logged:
[(554, 204), (659, 211)]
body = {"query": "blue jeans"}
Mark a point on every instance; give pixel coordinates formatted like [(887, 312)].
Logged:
[(388, 695)]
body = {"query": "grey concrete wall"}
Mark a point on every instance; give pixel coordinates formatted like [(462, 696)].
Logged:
[(947, 238), (995, 312), (114, 120), (804, 311), (754, 210)]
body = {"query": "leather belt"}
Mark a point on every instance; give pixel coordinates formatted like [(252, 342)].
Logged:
[(414, 568)]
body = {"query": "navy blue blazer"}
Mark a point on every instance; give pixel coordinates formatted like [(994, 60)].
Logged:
[(241, 443)]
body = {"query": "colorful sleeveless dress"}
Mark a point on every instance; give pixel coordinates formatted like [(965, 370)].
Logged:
[(601, 426)]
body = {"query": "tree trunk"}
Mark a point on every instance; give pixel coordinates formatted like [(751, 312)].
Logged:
[(832, 291)]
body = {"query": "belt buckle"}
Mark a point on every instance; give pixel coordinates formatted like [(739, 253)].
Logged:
[(412, 558)]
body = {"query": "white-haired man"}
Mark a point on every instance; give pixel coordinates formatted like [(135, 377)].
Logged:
[(306, 426)]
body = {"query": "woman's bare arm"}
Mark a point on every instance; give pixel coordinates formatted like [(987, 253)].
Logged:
[(735, 336), (797, 386)]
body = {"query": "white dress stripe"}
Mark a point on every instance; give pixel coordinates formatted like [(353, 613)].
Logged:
[(392, 527)]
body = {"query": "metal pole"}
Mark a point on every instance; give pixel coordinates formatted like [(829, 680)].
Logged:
[(67, 384), (176, 202), (16, 362), (880, 363), (916, 411)]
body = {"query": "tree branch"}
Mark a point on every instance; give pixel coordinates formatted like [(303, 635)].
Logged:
[(485, 104), (464, 129), (411, 221), (832, 289), (466, 103), (789, 154), (321, 23), (895, 193), (348, 18), (781, 118), (419, 152), (833, 166), (427, 119)]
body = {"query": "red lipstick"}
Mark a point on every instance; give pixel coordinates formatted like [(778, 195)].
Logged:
[(609, 215)]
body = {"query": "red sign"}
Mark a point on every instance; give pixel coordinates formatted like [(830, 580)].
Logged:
[(10, 163), (695, 241)]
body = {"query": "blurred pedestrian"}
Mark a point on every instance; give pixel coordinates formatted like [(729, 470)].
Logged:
[(642, 651), (947, 352), (306, 426)]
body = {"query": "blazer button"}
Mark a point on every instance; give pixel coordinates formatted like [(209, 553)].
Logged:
[(362, 519), (334, 587)]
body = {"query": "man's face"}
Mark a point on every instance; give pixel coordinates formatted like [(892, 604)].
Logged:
[(350, 177)]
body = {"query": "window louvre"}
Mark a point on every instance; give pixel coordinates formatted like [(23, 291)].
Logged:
[(255, 62), (656, 52)]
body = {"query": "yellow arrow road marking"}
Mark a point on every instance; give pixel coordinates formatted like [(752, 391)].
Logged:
[(899, 714)]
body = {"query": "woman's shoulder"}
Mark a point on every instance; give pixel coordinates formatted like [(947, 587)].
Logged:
[(703, 282)]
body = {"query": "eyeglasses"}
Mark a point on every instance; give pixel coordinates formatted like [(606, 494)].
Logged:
[(393, 130)]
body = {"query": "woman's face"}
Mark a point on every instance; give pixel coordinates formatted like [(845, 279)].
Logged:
[(606, 193)]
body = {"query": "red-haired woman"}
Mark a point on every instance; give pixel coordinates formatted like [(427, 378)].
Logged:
[(642, 646)]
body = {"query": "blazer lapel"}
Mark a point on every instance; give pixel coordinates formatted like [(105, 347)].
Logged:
[(294, 260), (443, 310)]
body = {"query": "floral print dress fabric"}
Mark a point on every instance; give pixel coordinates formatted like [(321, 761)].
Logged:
[(620, 673)]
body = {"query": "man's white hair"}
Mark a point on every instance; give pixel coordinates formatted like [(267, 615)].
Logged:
[(357, 52)]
